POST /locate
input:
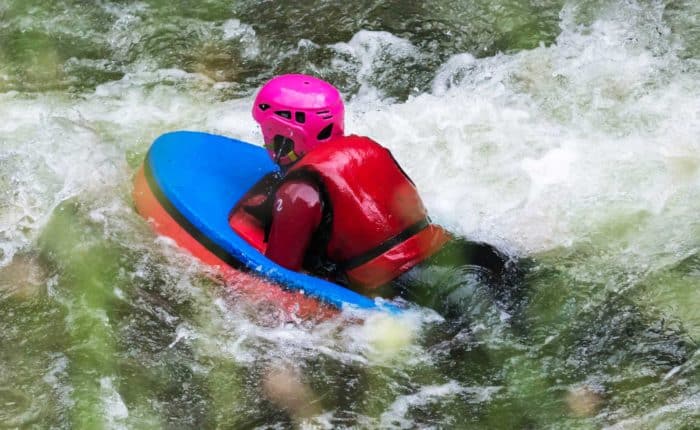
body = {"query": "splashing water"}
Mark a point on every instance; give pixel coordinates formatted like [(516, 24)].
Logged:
[(562, 131)]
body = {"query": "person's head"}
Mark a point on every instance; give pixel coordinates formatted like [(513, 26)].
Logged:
[(297, 113)]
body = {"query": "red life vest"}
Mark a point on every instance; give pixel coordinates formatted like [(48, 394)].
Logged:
[(378, 225)]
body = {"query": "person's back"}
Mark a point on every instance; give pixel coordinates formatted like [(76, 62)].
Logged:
[(376, 224)]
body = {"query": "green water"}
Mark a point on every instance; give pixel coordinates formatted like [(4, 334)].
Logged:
[(566, 132)]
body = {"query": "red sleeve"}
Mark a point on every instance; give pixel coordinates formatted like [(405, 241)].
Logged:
[(296, 213)]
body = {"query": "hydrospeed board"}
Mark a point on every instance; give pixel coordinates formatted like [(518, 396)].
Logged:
[(187, 188)]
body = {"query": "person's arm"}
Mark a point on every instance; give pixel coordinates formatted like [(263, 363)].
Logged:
[(296, 214)]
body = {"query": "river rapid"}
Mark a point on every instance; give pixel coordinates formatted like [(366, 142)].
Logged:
[(567, 132)]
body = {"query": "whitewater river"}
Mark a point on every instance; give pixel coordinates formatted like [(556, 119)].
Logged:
[(567, 132)]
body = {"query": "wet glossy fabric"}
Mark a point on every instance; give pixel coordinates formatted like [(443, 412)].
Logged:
[(296, 214), (371, 200)]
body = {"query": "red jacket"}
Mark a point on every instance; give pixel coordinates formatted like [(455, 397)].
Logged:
[(375, 225)]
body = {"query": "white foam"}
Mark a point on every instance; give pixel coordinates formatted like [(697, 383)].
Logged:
[(367, 52), (543, 147), (235, 29), (396, 414), (665, 417), (56, 377), (114, 407)]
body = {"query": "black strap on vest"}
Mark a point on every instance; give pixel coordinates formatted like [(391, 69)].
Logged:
[(383, 247)]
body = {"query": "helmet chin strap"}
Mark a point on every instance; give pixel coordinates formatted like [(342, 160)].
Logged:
[(284, 147), (278, 154)]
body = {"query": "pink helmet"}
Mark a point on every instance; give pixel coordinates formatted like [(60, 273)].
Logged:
[(297, 113)]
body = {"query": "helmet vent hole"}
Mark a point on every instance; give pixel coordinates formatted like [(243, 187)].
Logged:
[(264, 106), (325, 133), (325, 114), (284, 114), (300, 117)]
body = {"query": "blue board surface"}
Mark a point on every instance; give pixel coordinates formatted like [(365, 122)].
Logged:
[(203, 176)]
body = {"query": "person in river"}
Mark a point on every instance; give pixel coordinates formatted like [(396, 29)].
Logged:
[(345, 210)]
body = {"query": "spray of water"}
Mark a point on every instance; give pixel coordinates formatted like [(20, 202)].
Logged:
[(581, 152)]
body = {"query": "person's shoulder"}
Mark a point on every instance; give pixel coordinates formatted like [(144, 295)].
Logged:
[(297, 186), (359, 138), (297, 191), (355, 139)]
